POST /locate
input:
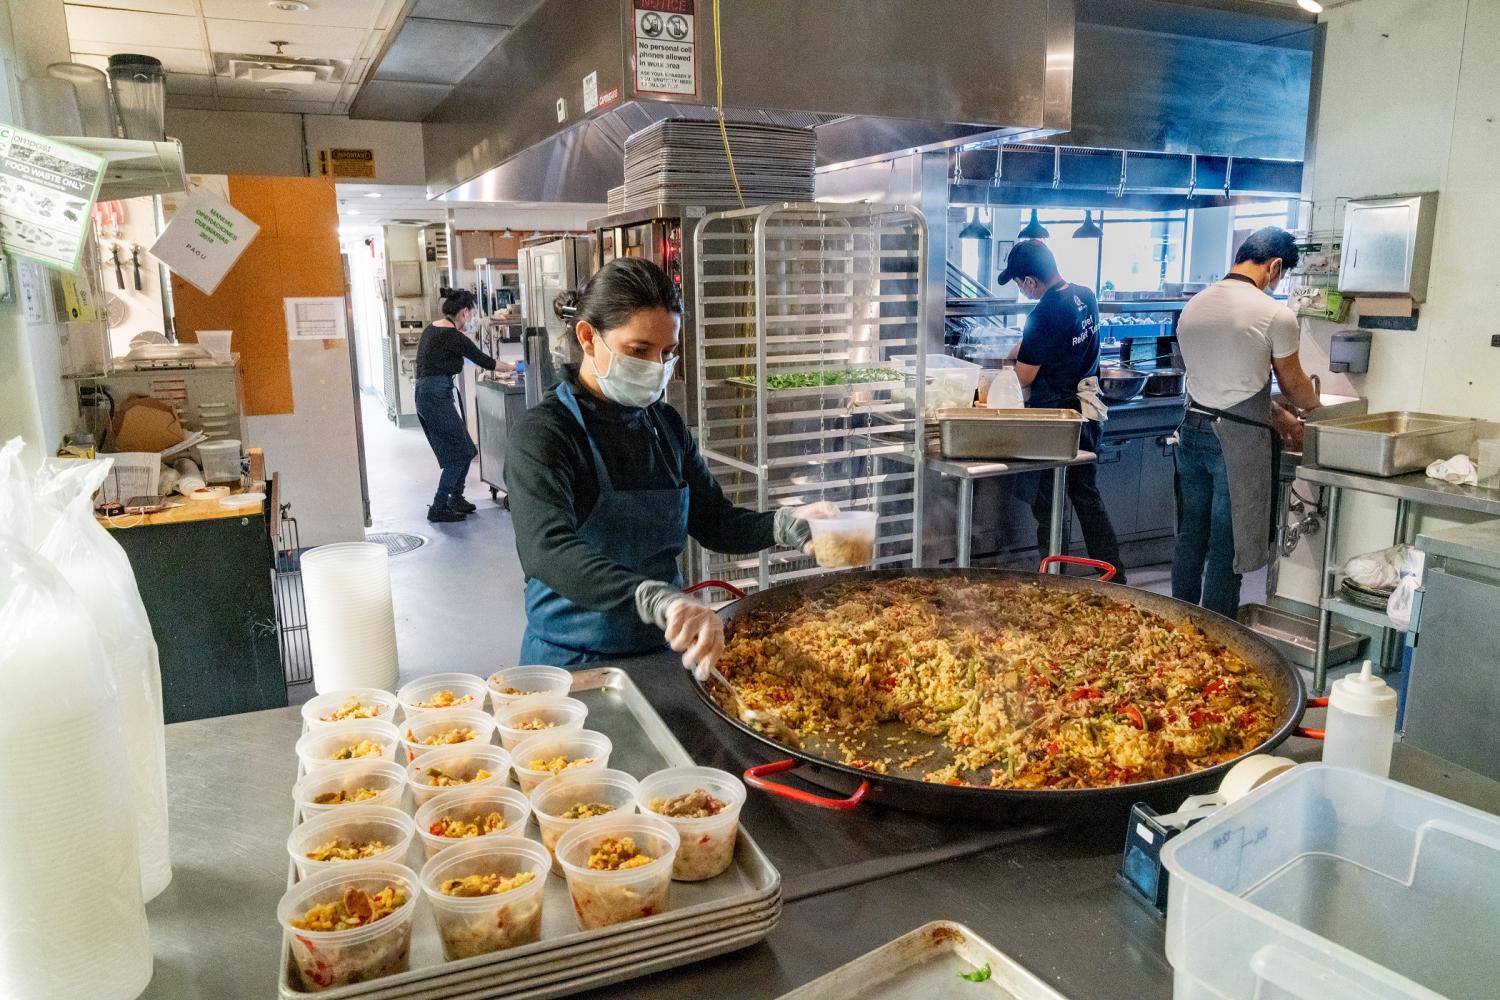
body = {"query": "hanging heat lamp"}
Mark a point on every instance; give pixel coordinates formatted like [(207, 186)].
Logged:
[(1090, 229), (1034, 229), (974, 230)]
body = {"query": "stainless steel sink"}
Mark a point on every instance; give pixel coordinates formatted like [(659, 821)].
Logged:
[(1331, 407)]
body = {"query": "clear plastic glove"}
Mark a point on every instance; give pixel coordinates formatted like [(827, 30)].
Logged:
[(791, 524), (697, 632)]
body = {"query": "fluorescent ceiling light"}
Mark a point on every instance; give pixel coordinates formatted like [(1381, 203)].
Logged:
[(1311, 6), (372, 194), (351, 211)]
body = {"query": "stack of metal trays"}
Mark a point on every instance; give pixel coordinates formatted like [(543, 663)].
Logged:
[(615, 199), (704, 919), (680, 160)]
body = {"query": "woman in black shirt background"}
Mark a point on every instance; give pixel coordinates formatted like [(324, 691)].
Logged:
[(440, 356)]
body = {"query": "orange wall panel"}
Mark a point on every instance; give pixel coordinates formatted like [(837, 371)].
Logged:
[(295, 254)]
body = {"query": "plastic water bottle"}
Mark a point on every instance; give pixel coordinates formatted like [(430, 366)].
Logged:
[(1361, 727)]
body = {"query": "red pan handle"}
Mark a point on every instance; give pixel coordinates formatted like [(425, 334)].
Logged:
[(1108, 568), (1308, 732), (756, 777), (732, 590)]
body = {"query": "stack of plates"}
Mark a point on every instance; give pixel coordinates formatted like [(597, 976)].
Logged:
[(1366, 597), (682, 160)]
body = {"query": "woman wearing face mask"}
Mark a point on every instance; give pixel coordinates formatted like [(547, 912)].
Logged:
[(440, 356), (606, 484)]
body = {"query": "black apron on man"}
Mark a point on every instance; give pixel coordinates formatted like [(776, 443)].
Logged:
[(1252, 455)]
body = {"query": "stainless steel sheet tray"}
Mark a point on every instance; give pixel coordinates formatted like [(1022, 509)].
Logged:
[(1296, 636), (930, 963), (1031, 434), (1388, 443), (731, 911)]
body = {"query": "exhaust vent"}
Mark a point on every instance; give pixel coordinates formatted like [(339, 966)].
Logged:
[(281, 71)]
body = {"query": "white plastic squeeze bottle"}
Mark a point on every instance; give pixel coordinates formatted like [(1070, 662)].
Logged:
[(1361, 727)]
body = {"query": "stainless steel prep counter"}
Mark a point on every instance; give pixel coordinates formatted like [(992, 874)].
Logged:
[(1410, 491), (852, 881)]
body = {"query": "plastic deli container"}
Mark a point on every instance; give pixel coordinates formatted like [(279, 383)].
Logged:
[(462, 766), (707, 842), (477, 925), (366, 740), (512, 683), (844, 541), (452, 728), (556, 796), (437, 692), (221, 460), (347, 827), (472, 805), (337, 708), (377, 783), (575, 746), (602, 897), (215, 342), (524, 718), (1329, 882), (327, 959)]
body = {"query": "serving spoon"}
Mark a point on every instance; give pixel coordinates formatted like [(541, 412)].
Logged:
[(766, 721)]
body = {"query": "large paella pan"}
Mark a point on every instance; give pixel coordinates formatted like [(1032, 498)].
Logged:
[(1147, 647)]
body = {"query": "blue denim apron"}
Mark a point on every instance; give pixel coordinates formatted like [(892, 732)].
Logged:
[(642, 530)]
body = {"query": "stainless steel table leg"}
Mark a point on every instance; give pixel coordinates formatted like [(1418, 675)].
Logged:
[(965, 521), (1055, 528), (1390, 639), (1325, 589)]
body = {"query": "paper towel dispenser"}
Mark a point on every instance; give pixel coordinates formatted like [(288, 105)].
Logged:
[(1388, 246)]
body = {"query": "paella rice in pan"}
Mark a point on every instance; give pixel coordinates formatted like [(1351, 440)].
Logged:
[(1003, 685)]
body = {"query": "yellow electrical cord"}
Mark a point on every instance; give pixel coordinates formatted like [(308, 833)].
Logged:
[(719, 106)]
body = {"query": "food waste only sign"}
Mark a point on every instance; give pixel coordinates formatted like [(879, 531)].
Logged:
[(666, 47), (203, 240), (47, 192)]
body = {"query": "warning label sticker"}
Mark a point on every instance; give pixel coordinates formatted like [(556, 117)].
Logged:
[(666, 47)]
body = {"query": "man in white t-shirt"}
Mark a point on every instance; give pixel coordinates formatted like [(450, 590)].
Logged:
[(1231, 335)]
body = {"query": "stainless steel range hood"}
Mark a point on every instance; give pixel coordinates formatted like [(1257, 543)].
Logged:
[(872, 76)]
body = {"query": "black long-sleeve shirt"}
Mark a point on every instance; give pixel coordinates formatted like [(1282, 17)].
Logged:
[(442, 350), (549, 476)]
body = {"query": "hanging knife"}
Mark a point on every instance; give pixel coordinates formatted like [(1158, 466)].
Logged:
[(114, 255), (135, 261)]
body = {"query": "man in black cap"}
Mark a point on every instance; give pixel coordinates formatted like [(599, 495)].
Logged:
[(1059, 362)]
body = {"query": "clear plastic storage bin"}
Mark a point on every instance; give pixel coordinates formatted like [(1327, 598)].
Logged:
[(951, 382), (1329, 884)]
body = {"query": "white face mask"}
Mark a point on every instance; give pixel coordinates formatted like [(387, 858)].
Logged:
[(471, 324), (631, 381)]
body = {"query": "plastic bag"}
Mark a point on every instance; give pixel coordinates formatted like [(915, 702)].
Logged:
[(1398, 605), (70, 884), (99, 572), (1005, 391), (1379, 569), (16, 514)]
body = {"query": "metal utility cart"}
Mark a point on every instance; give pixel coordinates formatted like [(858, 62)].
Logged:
[(832, 294)]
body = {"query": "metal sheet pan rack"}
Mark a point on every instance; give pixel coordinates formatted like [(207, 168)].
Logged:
[(830, 293)]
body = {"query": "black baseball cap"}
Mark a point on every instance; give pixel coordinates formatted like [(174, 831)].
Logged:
[(1028, 259)]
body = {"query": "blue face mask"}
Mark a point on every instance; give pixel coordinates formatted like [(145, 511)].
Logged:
[(631, 381)]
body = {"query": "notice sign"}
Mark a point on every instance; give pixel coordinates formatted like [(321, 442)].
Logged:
[(665, 47), (203, 240), (47, 192), (354, 164)]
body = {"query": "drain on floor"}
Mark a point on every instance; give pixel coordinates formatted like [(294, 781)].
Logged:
[(396, 542)]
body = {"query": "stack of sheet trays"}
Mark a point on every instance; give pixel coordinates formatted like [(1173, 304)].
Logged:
[(682, 161)]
